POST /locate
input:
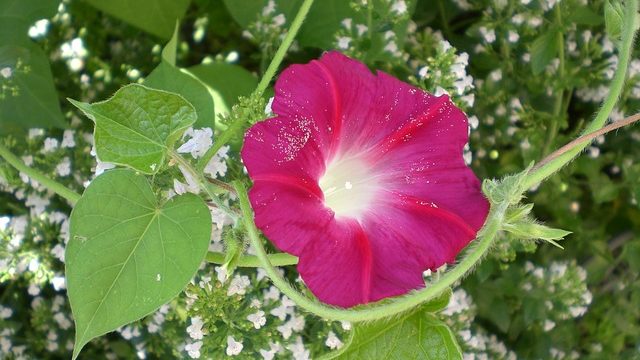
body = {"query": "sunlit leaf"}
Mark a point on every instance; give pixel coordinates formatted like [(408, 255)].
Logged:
[(138, 126), (226, 82), (167, 76)]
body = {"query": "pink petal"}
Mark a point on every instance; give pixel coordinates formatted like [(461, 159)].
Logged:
[(334, 92), (289, 212), (338, 269), (283, 146)]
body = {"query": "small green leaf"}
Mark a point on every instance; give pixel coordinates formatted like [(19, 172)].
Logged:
[(613, 19), (508, 189), (543, 50), (417, 335), (528, 229), (157, 17), (138, 126), (167, 76), (128, 254)]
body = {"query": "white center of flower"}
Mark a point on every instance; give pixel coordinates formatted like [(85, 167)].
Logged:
[(348, 187)]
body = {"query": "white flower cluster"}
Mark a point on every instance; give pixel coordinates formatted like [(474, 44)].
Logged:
[(564, 284), (75, 53), (444, 72), (351, 36), (198, 143), (268, 29), (477, 343)]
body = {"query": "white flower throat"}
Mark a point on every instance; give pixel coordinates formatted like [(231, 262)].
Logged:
[(348, 186)]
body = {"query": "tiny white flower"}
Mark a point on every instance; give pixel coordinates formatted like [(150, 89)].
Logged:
[(233, 347), (279, 20), (5, 312), (399, 7), (102, 166), (238, 285), (257, 319), (423, 72), (347, 23), (343, 42), (50, 144), (6, 72), (548, 325), (59, 283), (391, 47), (267, 108), (269, 9), (298, 350), (222, 274), (513, 36), (361, 28), (68, 140), (193, 349), (64, 168), (200, 141), (195, 329), (34, 133), (333, 342), (489, 35), (286, 330)]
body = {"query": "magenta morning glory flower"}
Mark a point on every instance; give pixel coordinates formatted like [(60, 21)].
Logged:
[(362, 177)]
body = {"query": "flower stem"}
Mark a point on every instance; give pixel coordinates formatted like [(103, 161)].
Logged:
[(280, 259), (586, 138), (50, 184), (282, 50), (373, 311), (626, 45)]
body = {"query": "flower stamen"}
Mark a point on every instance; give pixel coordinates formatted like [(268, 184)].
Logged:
[(348, 187)]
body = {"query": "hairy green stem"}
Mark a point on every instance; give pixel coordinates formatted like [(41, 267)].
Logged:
[(50, 184), (626, 46), (586, 138), (286, 43), (280, 259), (373, 311)]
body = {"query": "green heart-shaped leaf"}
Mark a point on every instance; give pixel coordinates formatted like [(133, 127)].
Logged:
[(138, 126), (129, 254)]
